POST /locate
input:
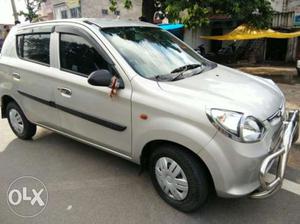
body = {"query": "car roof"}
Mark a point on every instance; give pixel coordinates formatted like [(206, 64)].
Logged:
[(117, 22), (101, 22)]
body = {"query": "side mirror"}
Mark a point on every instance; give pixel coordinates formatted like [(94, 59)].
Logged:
[(100, 78), (104, 77)]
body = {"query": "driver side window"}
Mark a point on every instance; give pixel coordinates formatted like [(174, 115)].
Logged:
[(78, 56)]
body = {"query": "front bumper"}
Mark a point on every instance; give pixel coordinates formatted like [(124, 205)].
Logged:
[(281, 154)]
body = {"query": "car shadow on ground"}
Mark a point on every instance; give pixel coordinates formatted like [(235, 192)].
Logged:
[(66, 166)]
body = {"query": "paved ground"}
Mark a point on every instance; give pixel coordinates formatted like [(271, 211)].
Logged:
[(86, 185), (292, 94)]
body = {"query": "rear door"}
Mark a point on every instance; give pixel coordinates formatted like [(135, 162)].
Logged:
[(88, 112), (32, 75)]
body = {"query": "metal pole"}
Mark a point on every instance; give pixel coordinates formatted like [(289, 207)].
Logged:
[(15, 14)]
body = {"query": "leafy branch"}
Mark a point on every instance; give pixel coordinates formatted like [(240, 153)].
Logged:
[(127, 4), (197, 13), (32, 8)]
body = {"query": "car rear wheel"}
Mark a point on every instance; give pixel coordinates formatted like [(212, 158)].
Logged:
[(19, 124), (179, 178)]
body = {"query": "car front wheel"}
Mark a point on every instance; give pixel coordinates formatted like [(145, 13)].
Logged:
[(179, 178)]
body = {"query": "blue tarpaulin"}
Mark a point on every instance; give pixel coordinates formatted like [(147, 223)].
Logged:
[(175, 28), (171, 27)]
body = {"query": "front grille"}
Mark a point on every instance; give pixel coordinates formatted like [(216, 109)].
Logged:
[(278, 115), (276, 121), (277, 138)]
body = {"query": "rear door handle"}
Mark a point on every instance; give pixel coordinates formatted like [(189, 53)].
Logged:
[(65, 92), (16, 76)]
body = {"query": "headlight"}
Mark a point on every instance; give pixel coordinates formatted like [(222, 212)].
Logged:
[(236, 125), (251, 129)]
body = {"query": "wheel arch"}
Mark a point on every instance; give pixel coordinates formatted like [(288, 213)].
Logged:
[(150, 147), (5, 100)]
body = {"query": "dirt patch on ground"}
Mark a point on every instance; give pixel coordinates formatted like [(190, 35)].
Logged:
[(268, 70), (292, 94), (294, 159)]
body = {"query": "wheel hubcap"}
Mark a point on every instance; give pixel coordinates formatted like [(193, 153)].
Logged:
[(16, 121), (171, 178)]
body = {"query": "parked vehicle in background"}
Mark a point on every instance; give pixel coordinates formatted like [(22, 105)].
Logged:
[(134, 90), (201, 50)]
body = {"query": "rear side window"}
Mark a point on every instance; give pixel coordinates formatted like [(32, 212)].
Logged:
[(34, 47), (79, 56)]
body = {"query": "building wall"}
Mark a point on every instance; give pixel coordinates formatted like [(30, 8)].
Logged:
[(291, 50), (277, 5), (58, 6), (64, 7), (192, 37), (286, 20), (98, 9), (46, 11), (293, 5)]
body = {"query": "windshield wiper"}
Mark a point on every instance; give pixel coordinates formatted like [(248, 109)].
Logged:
[(186, 68), (162, 77), (178, 73), (182, 70)]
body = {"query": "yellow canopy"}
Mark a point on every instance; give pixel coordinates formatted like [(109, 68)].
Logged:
[(244, 32)]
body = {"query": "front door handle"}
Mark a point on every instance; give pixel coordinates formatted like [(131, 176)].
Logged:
[(16, 76), (65, 92)]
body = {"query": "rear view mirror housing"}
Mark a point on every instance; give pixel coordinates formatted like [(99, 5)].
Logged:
[(100, 78), (104, 77)]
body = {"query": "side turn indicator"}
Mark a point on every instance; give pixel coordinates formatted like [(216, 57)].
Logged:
[(144, 116)]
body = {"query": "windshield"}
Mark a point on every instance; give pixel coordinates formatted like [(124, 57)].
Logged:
[(152, 52)]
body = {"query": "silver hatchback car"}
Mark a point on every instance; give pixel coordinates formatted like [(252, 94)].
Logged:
[(136, 91)]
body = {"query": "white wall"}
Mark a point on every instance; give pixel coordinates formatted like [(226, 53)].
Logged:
[(192, 37)]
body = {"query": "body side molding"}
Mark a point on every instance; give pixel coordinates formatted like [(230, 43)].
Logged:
[(105, 123)]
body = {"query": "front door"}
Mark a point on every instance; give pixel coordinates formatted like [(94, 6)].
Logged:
[(88, 112)]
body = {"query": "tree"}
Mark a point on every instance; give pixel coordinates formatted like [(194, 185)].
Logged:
[(148, 9), (32, 7), (195, 13), (114, 5)]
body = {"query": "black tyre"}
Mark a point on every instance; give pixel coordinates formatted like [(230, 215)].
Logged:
[(179, 178), (19, 124)]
